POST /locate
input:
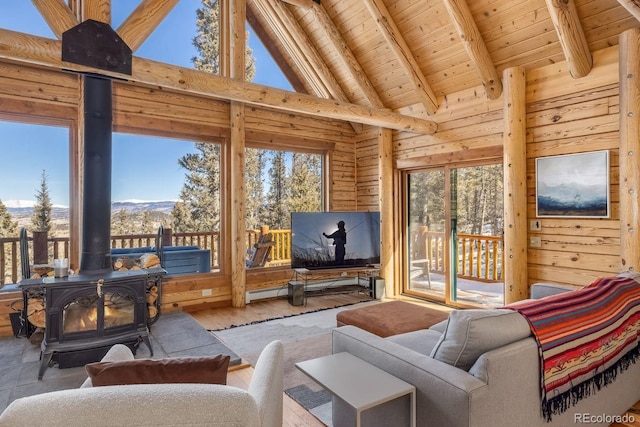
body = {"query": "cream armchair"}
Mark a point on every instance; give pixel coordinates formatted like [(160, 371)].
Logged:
[(160, 404)]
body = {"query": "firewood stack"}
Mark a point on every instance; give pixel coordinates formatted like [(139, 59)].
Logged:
[(152, 297), (147, 260), (36, 312), (41, 270)]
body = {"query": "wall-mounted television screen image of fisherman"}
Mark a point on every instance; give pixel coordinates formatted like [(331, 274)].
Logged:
[(335, 239)]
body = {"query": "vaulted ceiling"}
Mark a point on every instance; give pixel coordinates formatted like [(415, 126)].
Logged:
[(373, 62), (408, 55)]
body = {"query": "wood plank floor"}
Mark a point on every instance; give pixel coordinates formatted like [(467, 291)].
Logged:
[(224, 317), (632, 416), (295, 415)]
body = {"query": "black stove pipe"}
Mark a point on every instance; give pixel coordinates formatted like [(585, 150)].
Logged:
[(96, 205)]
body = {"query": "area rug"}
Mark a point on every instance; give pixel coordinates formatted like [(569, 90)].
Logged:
[(305, 336)]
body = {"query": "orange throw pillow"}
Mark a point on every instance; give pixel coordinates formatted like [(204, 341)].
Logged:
[(208, 370)]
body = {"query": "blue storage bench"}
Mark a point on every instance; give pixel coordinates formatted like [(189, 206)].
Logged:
[(175, 259)]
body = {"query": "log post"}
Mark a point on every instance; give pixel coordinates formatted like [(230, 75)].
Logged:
[(233, 51), (385, 201), (238, 228), (629, 150), (515, 185)]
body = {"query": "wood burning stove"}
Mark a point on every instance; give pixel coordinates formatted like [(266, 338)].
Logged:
[(87, 314)]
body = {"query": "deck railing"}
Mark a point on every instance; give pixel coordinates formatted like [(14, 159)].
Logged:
[(479, 257), (58, 247)]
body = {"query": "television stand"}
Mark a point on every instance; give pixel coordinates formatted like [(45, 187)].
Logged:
[(315, 278)]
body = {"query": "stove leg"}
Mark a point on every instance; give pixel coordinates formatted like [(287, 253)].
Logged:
[(45, 359), (146, 340)]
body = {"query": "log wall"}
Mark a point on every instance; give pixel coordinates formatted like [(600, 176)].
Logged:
[(564, 116), (366, 169)]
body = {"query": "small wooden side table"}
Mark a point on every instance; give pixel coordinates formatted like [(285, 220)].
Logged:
[(357, 382)]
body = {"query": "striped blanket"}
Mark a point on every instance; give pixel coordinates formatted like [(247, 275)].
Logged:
[(585, 338)]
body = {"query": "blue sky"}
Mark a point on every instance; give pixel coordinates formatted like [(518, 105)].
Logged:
[(27, 150)]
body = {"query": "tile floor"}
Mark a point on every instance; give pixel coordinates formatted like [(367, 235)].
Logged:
[(173, 335)]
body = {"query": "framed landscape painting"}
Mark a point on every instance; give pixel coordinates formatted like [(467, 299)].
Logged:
[(573, 185)]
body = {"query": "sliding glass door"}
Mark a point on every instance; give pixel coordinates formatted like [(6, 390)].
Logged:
[(427, 220), (454, 218)]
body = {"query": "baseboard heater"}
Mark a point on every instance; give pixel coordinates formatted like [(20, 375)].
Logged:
[(281, 291)]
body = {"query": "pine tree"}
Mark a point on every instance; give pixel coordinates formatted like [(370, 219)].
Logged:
[(278, 212), (146, 226), (255, 163), (181, 218), (8, 228), (207, 41), (41, 218), (121, 223), (427, 196), (201, 190), (305, 182)]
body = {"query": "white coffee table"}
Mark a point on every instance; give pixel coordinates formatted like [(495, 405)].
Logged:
[(357, 382)]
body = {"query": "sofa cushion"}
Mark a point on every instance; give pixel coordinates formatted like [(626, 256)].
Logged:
[(541, 290), (422, 341), (470, 333), (440, 326), (207, 370)]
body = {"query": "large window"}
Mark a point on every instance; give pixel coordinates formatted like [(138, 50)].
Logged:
[(277, 184), (34, 187), (177, 184)]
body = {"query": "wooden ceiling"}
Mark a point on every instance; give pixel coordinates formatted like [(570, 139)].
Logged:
[(407, 55), (374, 62)]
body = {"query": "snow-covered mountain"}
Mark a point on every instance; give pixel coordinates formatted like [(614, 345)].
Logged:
[(21, 210), (134, 206)]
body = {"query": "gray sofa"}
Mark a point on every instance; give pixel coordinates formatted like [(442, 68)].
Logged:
[(485, 373)]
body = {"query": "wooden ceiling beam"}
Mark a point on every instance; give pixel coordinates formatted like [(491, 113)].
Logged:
[(345, 54), (143, 21), (57, 15), (632, 6), (305, 4), (76, 8), (281, 31), (238, 34), (475, 46), (262, 30), (98, 10), (399, 47), (302, 50), (40, 51), (564, 16)]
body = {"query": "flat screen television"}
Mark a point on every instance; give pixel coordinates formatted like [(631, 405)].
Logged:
[(335, 239)]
